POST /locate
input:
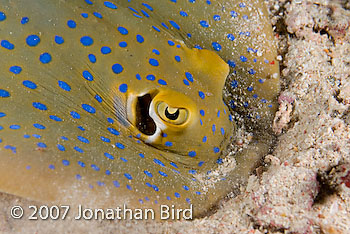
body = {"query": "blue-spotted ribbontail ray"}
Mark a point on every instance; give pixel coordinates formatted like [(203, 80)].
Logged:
[(107, 103)]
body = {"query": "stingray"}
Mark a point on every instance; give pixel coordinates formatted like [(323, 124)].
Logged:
[(107, 103)]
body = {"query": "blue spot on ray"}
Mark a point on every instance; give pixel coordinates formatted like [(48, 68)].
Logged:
[(149, 174), (45, 58), (153, 62), (4, 93), (113, 131), (59, 40), (189, 76), (98, 98), (155, 28), (162, 173), (243, 59), (89, 108), (128, 176), (162, 82), (109, 156), (76, 148), (117, 68), (92, 58), (71, 24), (123, 44), (106, 50), (123, 88), (86, 41), (39, 106), (147, 6), (75, 115), (2, 16), (41, 145), (171, 43), (96, 168), (201, 94), (63, 85), (150, 77), (183, 13), (204, 24), (119, 145), (87, 75), (98, 15), (123, 30), (55, 118), (15, 127), (174, 24), (15, 69), (104, 139), (140, 38), (7, 45), (110, 5), (216, 46), (39, 126), (33, 40), (61, 147), (83, 139), (217, 17), (116, 184)]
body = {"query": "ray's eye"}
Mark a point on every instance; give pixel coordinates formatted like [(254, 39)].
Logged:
[(172, 115)]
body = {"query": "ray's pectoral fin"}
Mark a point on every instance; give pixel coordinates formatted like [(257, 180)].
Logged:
[(22, 175), (42, 175)]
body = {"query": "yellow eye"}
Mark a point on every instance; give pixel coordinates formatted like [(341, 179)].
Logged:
[(172, 115)]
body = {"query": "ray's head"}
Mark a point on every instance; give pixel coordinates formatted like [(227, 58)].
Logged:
[(189, 121)]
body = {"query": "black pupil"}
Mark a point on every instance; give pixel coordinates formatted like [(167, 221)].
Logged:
[(173, 116)]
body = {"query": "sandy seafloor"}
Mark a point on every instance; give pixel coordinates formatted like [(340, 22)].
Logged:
[(301, 186)]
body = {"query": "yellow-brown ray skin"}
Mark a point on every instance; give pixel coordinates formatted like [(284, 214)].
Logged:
[(26, 172)]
